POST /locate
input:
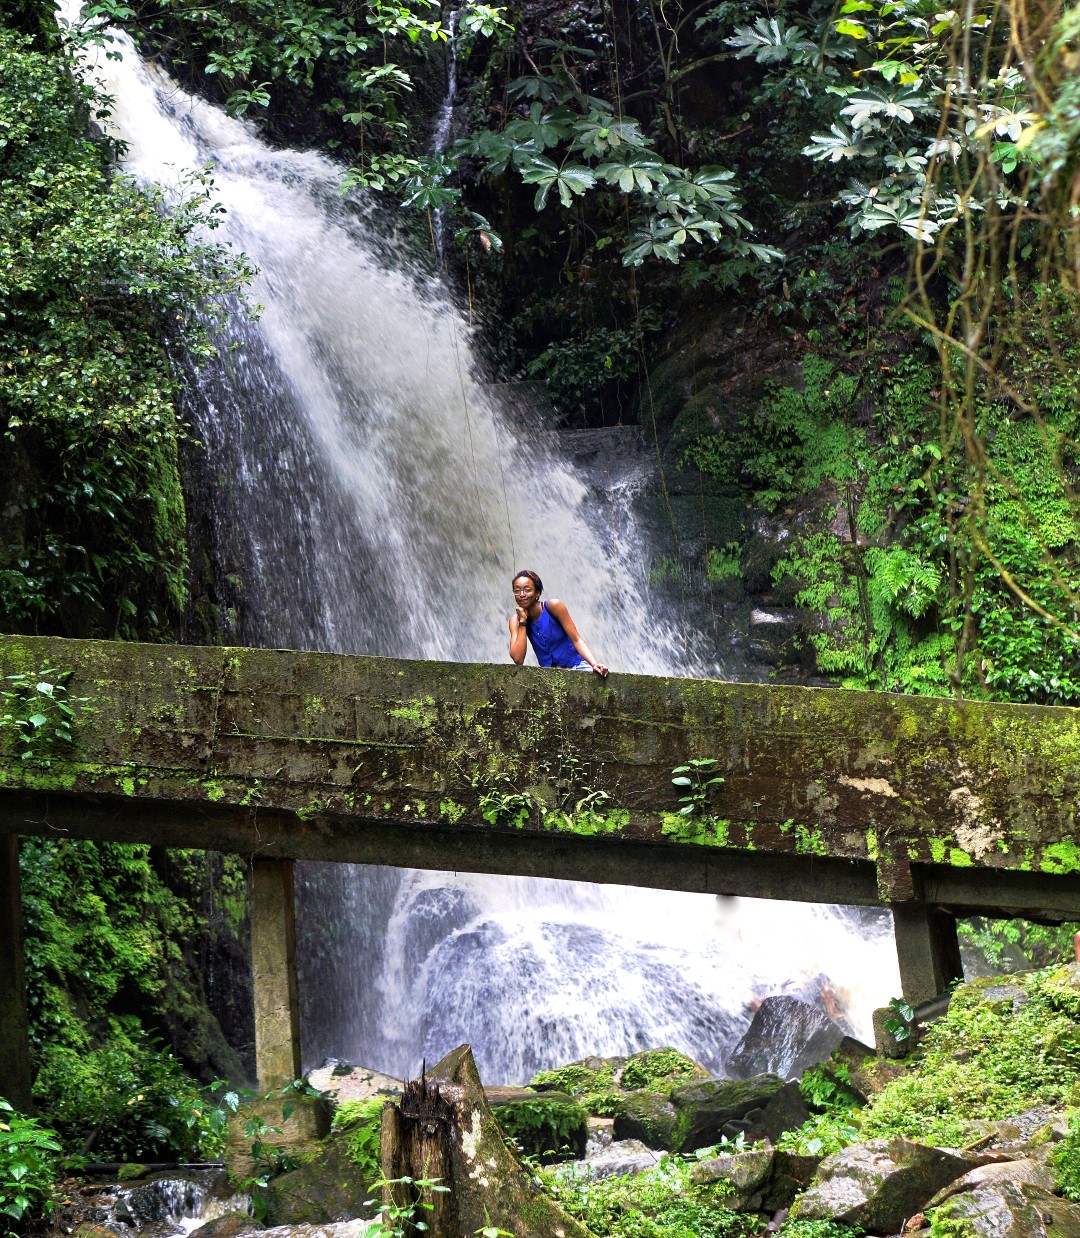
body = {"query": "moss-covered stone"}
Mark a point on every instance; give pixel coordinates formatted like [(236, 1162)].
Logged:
[(328, 1187), (707, 1107), (659, 1070), (648, 1116)]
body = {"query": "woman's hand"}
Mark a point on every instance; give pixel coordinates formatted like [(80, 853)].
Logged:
[(600, 669), (522, 617)]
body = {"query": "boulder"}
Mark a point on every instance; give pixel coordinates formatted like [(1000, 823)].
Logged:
[(879, 1184), (1027, 1170), (617, 1160), (1008, 1210), (339, 1082), (228, 1225), (649, 1117), (713, 1108), (786, 1111), (327, 1188), (746, 1174), (786, 1036), (760, 1180), (590, 1074), (791, 1175), (658, 1070)]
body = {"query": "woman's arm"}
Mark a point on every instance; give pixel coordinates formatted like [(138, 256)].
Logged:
[(558, 609), (518, 640)]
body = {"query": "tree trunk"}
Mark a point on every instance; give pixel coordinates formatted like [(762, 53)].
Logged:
[(444, 1129)]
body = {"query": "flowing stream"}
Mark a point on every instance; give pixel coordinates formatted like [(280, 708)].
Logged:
[(366, 493)]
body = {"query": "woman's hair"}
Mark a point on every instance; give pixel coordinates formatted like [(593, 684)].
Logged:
[(533, 577)]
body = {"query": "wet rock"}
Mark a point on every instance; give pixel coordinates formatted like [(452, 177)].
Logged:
[(747, 1175), (328, 1188), (625, 1156), (647, 1116), (601, 1136), (712, 1108), (1029, 1170), (1009, 1210), (229, 1225), (339, 1082), (879, 1184), (786, 1111), (786, 1036), (342, 1229)]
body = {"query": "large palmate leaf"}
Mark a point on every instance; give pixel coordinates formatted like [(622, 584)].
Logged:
[(570, 180), (839, 143), (771, 41)]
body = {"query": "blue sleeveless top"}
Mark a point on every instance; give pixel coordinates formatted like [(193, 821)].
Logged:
[(550, 643)]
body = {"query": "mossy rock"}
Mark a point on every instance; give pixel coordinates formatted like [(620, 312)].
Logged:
[(648, 1116), (590, 1074), (548, 1125), (706, 1107), (659, 1070), (996, 993), (1062, 987), (329, 1187)]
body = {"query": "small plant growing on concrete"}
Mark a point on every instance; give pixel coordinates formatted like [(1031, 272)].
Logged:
[(698, 778), (39, 713)]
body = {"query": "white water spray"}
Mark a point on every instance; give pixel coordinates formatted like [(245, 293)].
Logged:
[(374, 499)]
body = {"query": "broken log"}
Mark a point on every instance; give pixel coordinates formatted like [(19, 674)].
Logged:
[(443, 1129)]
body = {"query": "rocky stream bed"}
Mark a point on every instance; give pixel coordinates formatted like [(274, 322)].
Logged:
[(961, 1127)]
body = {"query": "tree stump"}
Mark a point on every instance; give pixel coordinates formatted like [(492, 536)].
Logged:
[(443, 1128)]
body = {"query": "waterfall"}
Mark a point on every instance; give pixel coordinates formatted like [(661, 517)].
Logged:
[(370, 495)]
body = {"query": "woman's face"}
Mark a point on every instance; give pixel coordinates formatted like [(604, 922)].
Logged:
[(524, 592)]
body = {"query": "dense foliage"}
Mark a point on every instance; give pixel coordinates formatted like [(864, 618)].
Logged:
[(97, 275), (121, 944)]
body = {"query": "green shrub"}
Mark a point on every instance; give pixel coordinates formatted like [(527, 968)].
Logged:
[(128, 1100), (544, 1127), (658, 1069), (661, 1203), (984, 1061), (1065, 1160), (821, 1134), (818, 1229), (28, 1164), (574, 1079), (360, 1122)]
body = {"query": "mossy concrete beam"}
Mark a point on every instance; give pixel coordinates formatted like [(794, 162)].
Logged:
[(828, 795)]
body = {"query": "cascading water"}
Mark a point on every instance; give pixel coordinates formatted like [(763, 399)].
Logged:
[(372, 497)]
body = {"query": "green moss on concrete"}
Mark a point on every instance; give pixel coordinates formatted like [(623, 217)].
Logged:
[(1061, 857)]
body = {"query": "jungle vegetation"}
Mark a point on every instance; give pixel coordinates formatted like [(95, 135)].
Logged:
[(885, 190)]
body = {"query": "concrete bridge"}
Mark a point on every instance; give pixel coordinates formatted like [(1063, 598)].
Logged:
[(933, 808)]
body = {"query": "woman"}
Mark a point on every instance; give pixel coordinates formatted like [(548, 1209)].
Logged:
[(554, 635)]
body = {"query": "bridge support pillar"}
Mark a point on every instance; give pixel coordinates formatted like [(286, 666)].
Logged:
[(14, 1045), (273, 973), (927, 950)]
